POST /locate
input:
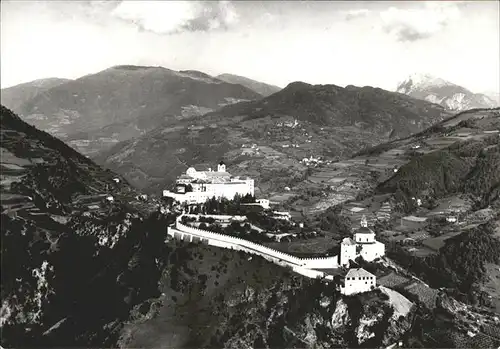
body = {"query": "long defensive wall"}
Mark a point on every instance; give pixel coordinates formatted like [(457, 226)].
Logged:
[(303, 266)]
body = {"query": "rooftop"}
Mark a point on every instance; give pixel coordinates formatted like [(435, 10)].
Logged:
[(348, 241), (215, 174), (364, 230), (358, 272)]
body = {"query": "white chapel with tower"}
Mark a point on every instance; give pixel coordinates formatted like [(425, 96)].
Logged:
[(363, 245)]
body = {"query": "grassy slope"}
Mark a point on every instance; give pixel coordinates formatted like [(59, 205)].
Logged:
[(470, 167)]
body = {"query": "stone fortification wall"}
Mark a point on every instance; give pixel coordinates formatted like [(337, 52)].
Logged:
[(303, 266), (219, 217)]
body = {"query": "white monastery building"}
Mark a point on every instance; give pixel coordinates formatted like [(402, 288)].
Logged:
[(358, 281), (364, 245), (264, 203), (196, 187)]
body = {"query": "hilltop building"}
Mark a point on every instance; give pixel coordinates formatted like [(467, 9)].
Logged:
[(364, 244), (196, 187), (358, 281)]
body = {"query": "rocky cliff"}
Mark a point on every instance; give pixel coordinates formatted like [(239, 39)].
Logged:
[(77, 249)]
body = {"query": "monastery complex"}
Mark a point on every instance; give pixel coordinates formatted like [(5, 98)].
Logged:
[(196, 187)]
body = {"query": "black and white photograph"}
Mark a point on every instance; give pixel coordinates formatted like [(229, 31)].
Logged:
[(250, 174)]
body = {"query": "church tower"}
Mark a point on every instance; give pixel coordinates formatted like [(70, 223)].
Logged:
[(347, 251), (221, 167), (364, 235), (364, 222)]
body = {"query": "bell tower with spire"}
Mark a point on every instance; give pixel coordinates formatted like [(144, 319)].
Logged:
[(364, 222), (364, 235), (221, 167)]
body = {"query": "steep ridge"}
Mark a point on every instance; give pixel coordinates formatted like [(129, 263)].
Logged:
[(64, 243), (297, 122), (257, 86), (469, 163), (96, 111), (449, 95)]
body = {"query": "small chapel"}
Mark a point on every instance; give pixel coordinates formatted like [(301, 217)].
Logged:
[(363, 243)]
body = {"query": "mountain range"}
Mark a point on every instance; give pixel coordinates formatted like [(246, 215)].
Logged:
[(14, 97), (495, 96), (85, 261), (451, 96), (299, 121), (96, 111), (257, 86)]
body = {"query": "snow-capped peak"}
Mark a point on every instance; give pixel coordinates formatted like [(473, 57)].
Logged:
[(419, 81), (445, 93)]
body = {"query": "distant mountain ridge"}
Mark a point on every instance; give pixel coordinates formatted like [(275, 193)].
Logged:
[(495, 96), (13, 97), (257, 86), (97, 110), (337, 106), (302, 120), (449, 95)]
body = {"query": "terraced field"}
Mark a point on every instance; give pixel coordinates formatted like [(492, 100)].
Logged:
[(349, 179), (424, 293), (392, 280)]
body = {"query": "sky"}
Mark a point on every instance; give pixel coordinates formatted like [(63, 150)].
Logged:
[(319, 42)]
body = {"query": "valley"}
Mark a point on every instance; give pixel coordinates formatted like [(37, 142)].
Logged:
[(330, 199), (272, 134), (327, 161), (250, 174)]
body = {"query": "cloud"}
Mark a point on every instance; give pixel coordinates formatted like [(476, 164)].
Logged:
[(353, 14), (421, 23), (173, 17)]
